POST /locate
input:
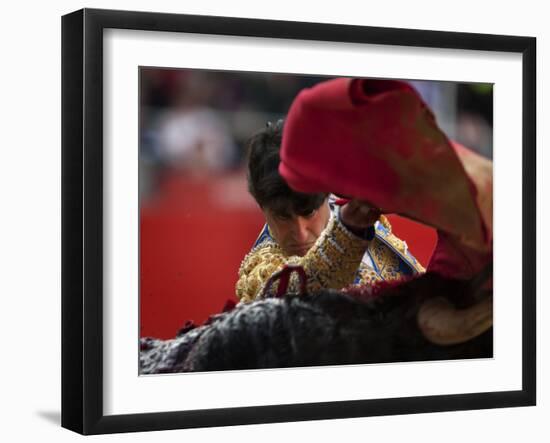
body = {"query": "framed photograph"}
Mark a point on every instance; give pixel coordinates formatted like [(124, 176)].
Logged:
[(168, 323)]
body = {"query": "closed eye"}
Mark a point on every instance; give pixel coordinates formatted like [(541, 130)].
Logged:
[(281, 217)]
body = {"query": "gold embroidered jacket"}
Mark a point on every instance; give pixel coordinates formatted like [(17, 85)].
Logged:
[(336, 260)]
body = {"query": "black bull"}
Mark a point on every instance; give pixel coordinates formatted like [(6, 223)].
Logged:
[(326, 328)]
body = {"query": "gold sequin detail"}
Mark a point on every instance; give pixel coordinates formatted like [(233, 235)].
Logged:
[(332, 262)]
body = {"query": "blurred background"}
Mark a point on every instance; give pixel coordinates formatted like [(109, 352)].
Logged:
[(197, 220)]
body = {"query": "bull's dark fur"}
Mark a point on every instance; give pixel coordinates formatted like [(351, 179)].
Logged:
[(327, 328)]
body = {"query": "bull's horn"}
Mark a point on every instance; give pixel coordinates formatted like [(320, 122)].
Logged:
[(443, 324)]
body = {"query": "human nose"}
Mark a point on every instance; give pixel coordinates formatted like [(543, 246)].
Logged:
[(300, 229)]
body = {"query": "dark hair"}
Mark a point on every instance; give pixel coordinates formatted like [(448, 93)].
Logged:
[(264, 181)]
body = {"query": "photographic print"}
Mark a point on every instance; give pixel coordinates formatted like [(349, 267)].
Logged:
[(368, 239), (296, 217)]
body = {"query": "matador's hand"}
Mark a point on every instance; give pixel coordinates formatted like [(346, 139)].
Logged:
[(359, 215)]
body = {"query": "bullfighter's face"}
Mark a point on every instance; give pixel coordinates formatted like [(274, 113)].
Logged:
[(296, 234)]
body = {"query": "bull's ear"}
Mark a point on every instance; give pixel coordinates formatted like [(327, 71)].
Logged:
[(442, 324)]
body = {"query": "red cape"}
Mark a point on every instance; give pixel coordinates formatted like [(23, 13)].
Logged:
[(376, 140)]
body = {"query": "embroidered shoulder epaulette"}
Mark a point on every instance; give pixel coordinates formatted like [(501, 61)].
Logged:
[(410, 265)]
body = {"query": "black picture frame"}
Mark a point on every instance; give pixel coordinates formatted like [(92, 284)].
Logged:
[(82, 220)]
